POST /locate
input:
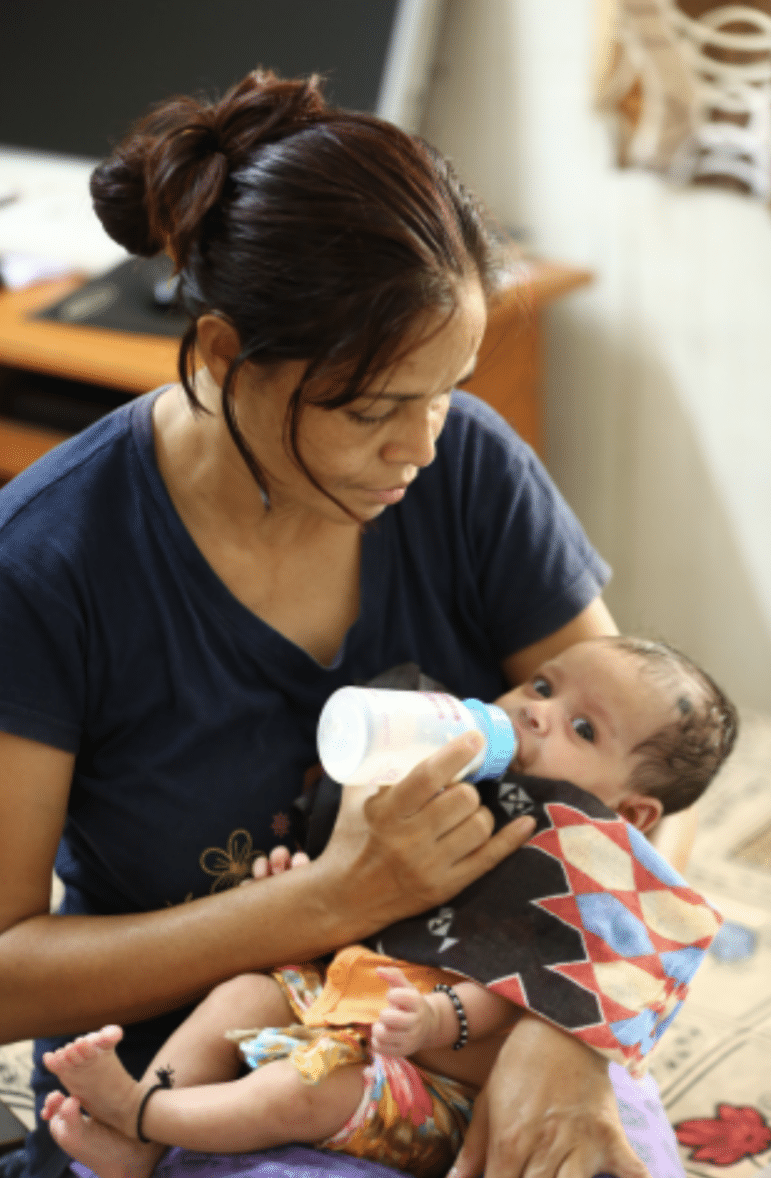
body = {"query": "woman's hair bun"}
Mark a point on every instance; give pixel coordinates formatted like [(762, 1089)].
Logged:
[(156, 188)]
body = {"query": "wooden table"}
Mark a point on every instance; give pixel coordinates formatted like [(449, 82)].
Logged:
[(508, 373)]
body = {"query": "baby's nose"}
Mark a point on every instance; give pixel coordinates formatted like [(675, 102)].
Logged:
[(536, 716)]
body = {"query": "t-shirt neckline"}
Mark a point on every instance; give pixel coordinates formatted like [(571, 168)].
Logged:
[(249, 626)]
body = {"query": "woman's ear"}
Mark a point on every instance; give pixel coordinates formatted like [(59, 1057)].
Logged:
[(641, 810), (218, 345)]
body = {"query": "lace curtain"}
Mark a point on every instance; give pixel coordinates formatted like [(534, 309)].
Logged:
[(690, 82)]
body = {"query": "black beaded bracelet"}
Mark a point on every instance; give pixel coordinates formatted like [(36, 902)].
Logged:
[(460, 1010)]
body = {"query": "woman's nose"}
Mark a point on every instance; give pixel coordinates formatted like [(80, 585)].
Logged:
[(413, 442)]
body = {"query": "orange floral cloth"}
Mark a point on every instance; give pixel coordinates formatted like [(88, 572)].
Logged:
[(408, 1117), (354, 993)]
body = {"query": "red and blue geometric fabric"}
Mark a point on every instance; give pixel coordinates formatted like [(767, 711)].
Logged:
[(586, 925)]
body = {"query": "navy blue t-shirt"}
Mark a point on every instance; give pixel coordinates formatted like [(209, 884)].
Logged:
[(193, 722)]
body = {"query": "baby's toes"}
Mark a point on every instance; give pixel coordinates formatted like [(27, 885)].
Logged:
[(107, 1038), (81, 1050), (58, 1059), (53, 1102)]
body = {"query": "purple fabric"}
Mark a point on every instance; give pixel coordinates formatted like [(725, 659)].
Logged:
[(649, 1133)]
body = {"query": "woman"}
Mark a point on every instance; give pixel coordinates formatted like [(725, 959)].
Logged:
[(183, 585)]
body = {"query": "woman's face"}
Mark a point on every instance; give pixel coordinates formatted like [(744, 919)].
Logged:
[(368, 452)]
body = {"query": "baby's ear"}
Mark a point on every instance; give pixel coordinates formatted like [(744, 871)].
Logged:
[(641, 810)]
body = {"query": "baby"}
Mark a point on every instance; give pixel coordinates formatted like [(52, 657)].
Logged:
[(392, 1075)]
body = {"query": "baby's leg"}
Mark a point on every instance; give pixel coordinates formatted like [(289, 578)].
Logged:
[(268, 1107), (196, 1053), (271, 1106)]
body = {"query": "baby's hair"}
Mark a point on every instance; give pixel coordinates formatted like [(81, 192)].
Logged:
[(680, 759)]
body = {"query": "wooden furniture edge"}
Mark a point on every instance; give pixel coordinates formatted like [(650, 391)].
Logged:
[(123, 360), (137, 363), (22, 444), (528, 285)]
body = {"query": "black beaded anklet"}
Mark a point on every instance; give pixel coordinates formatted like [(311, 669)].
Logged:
[(460, 1010), (165, 1080)]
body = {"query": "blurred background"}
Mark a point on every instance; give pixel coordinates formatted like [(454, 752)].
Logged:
[(657, 416), (625, 145)]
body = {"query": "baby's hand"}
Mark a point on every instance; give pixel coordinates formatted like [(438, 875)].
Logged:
[(407, 1021), (279, 860)]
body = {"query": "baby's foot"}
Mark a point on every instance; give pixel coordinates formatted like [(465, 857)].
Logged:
[(89, 1069), (104, 1150)]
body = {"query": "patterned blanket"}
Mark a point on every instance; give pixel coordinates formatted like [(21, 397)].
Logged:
[(586, 925)]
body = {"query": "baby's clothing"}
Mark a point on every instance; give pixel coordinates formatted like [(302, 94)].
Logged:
[(354, 993), (408, 1117)]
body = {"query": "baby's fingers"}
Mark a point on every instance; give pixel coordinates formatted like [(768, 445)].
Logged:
[(260, 869), (388, 1040), (396, 1020), (394, 976), (280, 860), (402, 995)]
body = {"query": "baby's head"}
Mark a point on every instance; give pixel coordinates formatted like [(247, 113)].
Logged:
[(634, 722)]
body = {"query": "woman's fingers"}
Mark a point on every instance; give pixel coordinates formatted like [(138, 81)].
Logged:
[(425, 783), (407, 847), (552, 1112), (490, 852), (552, 1151)]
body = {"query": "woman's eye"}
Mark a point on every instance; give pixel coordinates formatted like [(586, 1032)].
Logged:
[(584, 729), (542, 687), (370, 418)]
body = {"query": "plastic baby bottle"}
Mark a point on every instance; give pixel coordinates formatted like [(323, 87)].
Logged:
[(375, 736)]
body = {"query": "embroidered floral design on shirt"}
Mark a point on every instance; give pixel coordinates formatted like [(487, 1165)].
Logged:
[(280, 825), (231, 865)]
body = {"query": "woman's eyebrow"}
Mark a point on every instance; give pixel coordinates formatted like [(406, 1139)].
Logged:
[(381, 395)]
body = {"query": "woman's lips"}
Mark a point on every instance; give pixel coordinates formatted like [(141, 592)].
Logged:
[(388, 495)]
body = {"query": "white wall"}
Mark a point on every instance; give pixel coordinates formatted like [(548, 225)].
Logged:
[(658, 399)]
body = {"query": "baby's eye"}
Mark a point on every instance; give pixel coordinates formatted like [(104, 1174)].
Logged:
[(584, 729), (542, 686)]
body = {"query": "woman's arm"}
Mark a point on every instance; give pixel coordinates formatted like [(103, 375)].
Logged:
[(593, 622), (548, 1107), (673, 836), (406, 849)]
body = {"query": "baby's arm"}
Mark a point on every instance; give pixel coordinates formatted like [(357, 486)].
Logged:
[(412, 1021)]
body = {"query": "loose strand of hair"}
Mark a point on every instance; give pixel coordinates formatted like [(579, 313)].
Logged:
[(242, 445)]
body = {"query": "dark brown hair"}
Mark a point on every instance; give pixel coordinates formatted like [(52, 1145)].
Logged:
[(318, 234), (679, 761)]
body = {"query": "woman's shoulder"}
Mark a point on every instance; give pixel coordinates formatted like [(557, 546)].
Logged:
[(60, 496), (480, 457), (474, 428)]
